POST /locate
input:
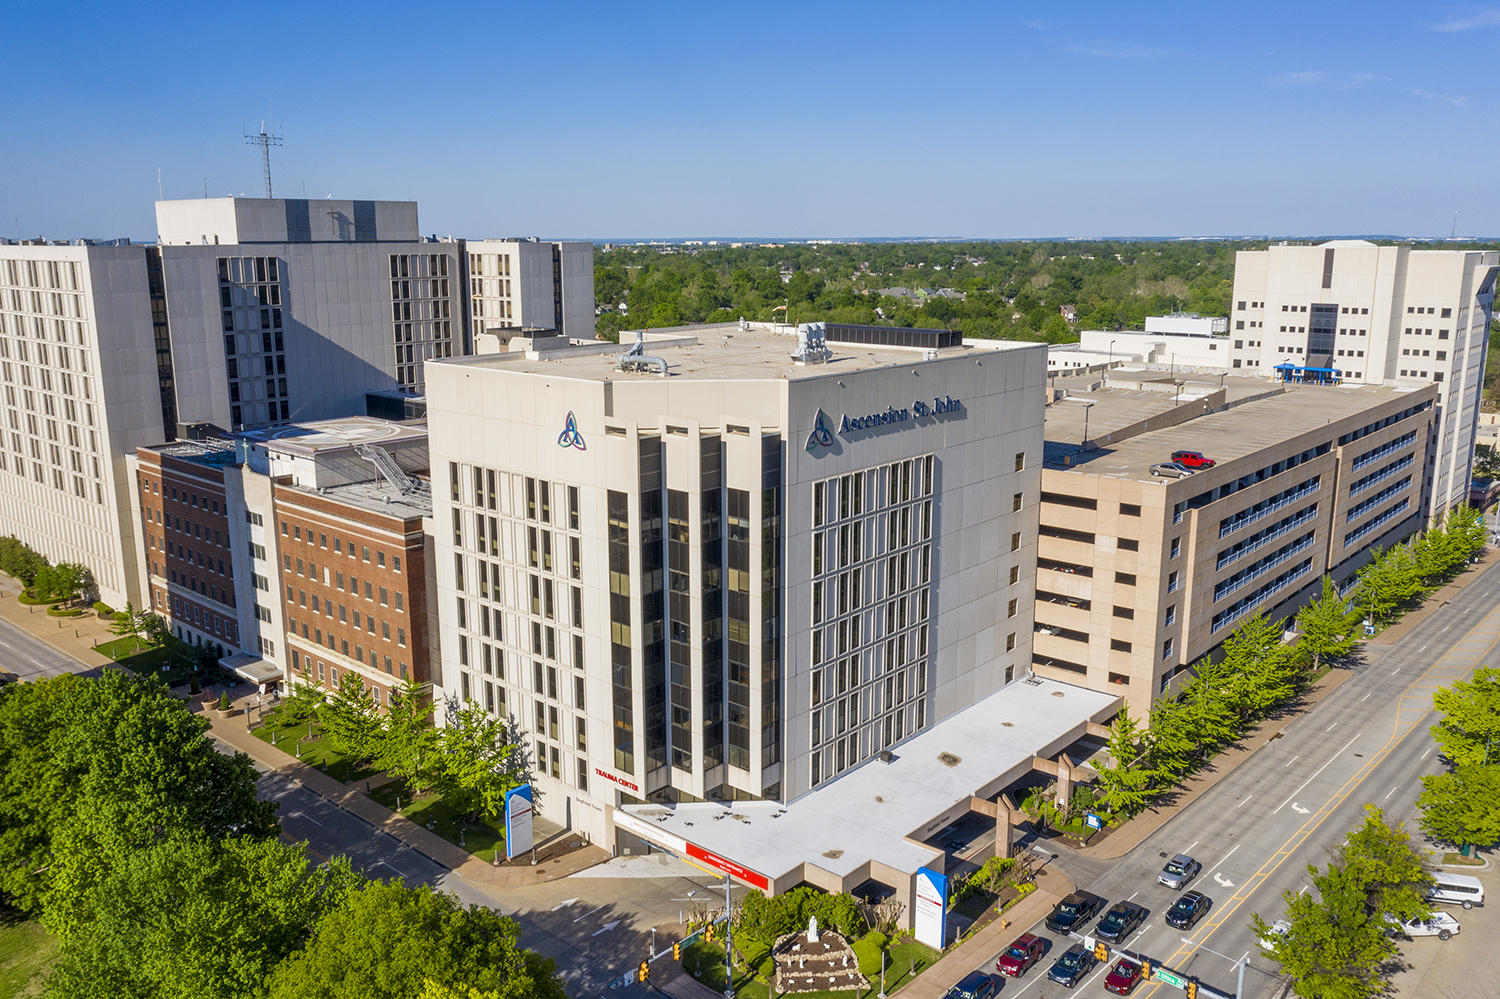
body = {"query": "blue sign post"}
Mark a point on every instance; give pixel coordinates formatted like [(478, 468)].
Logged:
[(932, 908), (518, 838)]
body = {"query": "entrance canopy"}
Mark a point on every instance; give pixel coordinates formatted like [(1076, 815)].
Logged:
[(251, 667)]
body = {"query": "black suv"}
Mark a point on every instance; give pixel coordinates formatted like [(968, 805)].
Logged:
[(1119, 921), (1188, 909), (1069, 969), (1075, 910)]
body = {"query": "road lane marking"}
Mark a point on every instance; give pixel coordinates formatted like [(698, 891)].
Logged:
[(1366, 697), (1424, 755), (304, 815), (1395, 671), (1191, 845), (1331, 727), (1400, 730), (1315, 773), (1132, 896), (384, 864), (589, 913), (1389, 793), (1226, 857), (1243, 800), (1289, 762)]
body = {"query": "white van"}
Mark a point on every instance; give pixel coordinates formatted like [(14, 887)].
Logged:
[(1456, 889)]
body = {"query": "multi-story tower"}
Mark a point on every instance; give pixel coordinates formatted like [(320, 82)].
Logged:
[(529, 284), (81, 390), (1140, 576), (283, 310), (1379, 315), (742, 579)]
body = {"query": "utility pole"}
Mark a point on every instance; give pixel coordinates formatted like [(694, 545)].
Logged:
[(728, 931), (265, 140)]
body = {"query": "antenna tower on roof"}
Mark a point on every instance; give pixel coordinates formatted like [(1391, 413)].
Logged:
[(265, 140)]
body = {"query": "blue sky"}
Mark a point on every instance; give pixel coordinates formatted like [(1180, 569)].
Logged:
[(794, 119)]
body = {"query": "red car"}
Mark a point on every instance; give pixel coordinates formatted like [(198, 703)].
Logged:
[(1123, 976), (1020, 955), (1192, 459)]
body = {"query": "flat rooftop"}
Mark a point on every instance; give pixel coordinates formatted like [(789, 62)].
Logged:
[(1232, 433), (868, 813), (1131, 395), (215, 453), (325, 436), (717, 351), (377, 496)]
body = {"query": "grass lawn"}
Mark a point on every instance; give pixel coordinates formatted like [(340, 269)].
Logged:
[(26, 955), (318, 753), (708, 960), (482, 840), (142, 659), (1459, 860)]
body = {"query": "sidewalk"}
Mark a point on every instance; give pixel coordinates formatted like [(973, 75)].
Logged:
[(1051, 886), (232, 732), (72, 636)]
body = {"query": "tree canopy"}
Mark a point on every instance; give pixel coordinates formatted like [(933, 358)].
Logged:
[(388, 941)]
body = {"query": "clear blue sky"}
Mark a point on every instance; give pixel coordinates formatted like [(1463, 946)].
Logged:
[(797, 119)]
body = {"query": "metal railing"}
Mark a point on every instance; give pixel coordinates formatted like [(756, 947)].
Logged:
[(1259, 541), (1259, 511)]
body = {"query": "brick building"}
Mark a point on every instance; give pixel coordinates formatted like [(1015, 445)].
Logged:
[(189, 547), (354, 567)]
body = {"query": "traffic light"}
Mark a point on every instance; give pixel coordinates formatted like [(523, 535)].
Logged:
[(1192, 989), (708, 934), (645, 970), (1145, 970), (677, 952), (1101, 952)]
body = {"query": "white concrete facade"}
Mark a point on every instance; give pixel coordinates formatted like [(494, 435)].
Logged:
[(1378, 315), (1184, 350), (531, 284), (819, 590), (78, 367)]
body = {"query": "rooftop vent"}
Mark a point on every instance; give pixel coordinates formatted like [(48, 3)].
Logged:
[(886, 756), (948, 759)]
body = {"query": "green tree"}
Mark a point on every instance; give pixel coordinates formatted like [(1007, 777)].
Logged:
[(387, 941), (1329, 631), (1126, 784), (477, 761), (128, 624), (409, 743), (93, 769), (1170, 745), (1261, 669), (1486, 462), (155, 628), (351, 719), (1391, 580), (302, 703), (1207, 710), (188, 918), (1470, 730), (1337, 940), (1462, 806), (72, 580)]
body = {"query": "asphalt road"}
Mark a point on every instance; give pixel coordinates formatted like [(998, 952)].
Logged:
[(30, 658), (1258, 829)]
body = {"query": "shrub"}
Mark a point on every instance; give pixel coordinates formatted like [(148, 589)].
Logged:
[(224, 701), (103, 608), (867, 952), (194, 686), (764, 919)]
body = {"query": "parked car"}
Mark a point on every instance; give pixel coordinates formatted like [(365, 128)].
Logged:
[(1075, 910), (1274, 933), (1123, 976), (1188, 910), (1025, 951), (1119, 921), (1170, 469), (1192, 459), (1179, 871), (1069, 969), (1441, 925), (975, 985)]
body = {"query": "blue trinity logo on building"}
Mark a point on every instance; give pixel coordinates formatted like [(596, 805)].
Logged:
[(570, 437), (822, 432)]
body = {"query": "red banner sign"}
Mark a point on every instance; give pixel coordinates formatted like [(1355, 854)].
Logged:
[(728, 867)]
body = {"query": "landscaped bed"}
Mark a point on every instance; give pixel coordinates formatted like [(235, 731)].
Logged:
[(482, 839), (305, 740), (753, 966)]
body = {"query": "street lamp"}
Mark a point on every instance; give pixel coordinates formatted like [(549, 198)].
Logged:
[(1086, 407), (1111, 365), (1239, 989)]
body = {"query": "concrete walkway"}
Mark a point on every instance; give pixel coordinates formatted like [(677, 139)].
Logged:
[(1051, 886), (233, 732), (72, 636)]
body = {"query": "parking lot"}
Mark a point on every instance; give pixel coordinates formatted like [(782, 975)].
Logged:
[(1466, 966)]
